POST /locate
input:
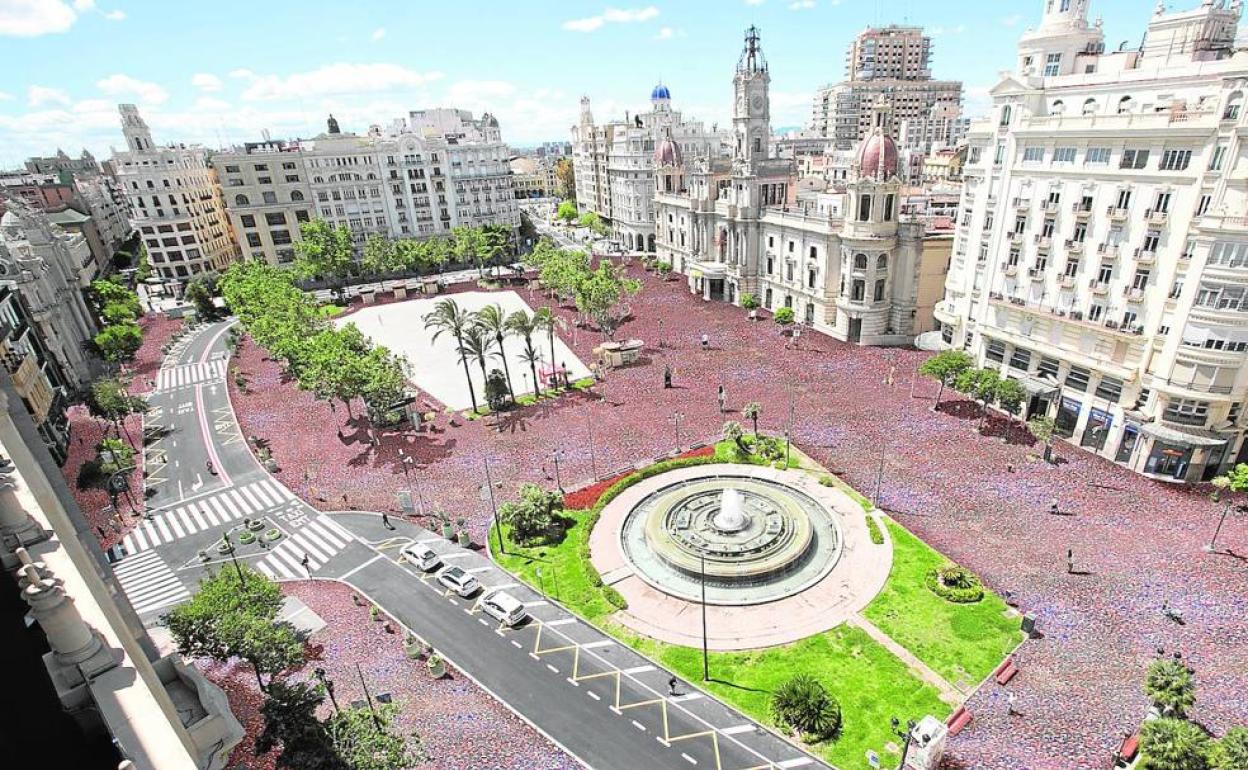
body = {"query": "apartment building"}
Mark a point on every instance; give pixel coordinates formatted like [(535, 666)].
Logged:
[(1101, 252), (175, 203)]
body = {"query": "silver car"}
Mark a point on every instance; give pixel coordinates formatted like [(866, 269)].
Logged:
[(459, 581)]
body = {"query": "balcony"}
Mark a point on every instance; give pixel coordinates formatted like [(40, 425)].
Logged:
[(1116, 213), (1156, 216), (1068, 316), (1133, 293), (1035, 273), (1050, 206), (1067, 282), (1108, 249), (1098, 287), (1016, 238), (1082, 210), (1073, 246), (1010, 270), (1145, 256), (1043, 242), (1022, 205)]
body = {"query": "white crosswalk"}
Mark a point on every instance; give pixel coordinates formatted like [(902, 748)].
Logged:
[(207, 512), (319, 539), (149, 583), (190, 374)]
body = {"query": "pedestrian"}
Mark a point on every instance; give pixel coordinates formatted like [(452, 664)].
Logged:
[(723, 398), (667, 376), (671, 686), (344, 498), (545, 473), (1053, 506), (1009, 468), (1070, 561), (385, 521), (706, 342), (1009, 704), (304, 561)]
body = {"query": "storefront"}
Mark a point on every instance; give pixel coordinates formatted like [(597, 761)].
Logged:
[(1096, 430), (1067, 417), (1175, 451), (1126, 447)]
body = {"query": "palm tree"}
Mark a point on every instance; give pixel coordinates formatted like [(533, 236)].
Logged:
[(447, 316), (477, 346), (547, 321), (753, 410), (732, 432), (524, 325), (805, 706), (493, 320)]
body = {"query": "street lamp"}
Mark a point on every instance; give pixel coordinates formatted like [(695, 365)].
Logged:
[(498, 528), (558, 479), (328, 684), (1212, 545), (408, 460), (879, 472), (676, 417), (369, 696), (706, 664), (907, 734)]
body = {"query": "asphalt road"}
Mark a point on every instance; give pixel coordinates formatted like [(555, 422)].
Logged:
[(602, 702)]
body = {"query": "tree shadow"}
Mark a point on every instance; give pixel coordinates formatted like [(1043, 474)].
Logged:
[(741, 687)]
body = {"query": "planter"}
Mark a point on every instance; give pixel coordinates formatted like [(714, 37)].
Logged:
[(225, 547), (448, 531), (247, 537), (464, 539), (255, 525), (270, 465), (272, 534), (374, 613), (436, 666)]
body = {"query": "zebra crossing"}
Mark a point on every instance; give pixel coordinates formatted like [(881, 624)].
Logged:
[(190, 374), (149, 583), (207, 512), (320, 539)]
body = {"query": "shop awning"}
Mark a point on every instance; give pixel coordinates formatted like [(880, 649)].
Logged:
[(1195, 437), (1036, 386)]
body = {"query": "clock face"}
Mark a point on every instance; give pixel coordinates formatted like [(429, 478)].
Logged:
[(757, 102)]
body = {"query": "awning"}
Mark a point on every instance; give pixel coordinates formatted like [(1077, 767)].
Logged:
[(932, 341), (1195, 437), (1036, 386)]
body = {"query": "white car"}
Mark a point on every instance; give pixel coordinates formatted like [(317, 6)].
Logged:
[(455, 579), (503, 607), (422, 556)]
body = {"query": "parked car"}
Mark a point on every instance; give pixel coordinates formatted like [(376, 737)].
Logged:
[(422, 556), (503, 607), (459, 581)]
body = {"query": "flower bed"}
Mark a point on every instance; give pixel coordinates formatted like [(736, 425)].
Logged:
[(955, 584), (587, 497)]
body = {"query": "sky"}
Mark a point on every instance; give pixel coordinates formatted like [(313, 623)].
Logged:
[(218, 73)]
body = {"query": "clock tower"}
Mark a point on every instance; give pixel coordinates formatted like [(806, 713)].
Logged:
[(752, 105)]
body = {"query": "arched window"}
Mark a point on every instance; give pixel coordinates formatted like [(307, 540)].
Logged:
[(882, 262), (1233, 105), (241, 200), (296, 196), (1089, 106), (1125, 104), (1058, 107), (860, 261), (1006, 111)]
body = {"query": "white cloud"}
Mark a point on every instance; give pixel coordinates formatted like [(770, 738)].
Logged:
[(667, 33), (755, 2), (379, 33), (335, 79), (124, 85), (210, 104), (611, 16), (206, 82), (245, 74), (117, 15), (5, 97), (32, 18), (801, 5), (84, 5), (38, 96)]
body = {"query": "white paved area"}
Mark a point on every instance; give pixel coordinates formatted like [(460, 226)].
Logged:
[(435, 365)]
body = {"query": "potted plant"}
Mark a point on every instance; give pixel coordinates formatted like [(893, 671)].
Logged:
[(436, 666), (374, 612), (465, 539), (448, 531)]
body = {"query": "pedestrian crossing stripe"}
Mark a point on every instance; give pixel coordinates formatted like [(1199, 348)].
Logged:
[(319, 540), (199, 515), (148, 582), (190, 374)]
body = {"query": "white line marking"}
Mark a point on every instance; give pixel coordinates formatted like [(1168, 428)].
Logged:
[(686, 697), (362, 566), (639, 725), (599, 643), (737, 729), (560, 622), (592, 694), (477, 570), (688, 758), (799, 762), (637, 670), (553, 670)]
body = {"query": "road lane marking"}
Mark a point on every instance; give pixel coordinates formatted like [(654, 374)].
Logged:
[(688, 758), (351, 572), (639, 725), (735, 729)]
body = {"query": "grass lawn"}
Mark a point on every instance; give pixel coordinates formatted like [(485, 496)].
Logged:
[(565, 575), (870, 682), (958, 641)]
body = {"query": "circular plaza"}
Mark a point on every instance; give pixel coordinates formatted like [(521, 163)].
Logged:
[(776, 555)]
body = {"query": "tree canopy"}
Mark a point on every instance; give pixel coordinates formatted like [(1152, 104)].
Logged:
[(600, 295), (324, 250)]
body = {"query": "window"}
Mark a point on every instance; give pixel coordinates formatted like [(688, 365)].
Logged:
[(811, 275), (275, 218), (1125, 105), (265, 180), (247, 220), (1052, 65), (1071, 269), (814, 253), (1133, 159), (231, 169), (1020, 359), (860, 261), (1187, 411), (253, 240), (858, 291), (1109, 388), (280, 237), (1064, 155), (888, 208), (1219, 156), (1033, 155), (1020, 224), (879, 290), (295, 195), (1005, 115), (269, 196), (1151, 239), (241, 200), (1175, 160), (1097, 156), (1089, 106), (1095, 312), (1140, 280), (864, 208), (1058, 107), (995, 351), (1232, 106), (1077, 379), (302, 215), (1047, 368), (1203, 206), (1176, 288)]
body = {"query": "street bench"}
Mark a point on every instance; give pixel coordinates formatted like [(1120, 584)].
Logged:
[(1006, 671), (958, 720)]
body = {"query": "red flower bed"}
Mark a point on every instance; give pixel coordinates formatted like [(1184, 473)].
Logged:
[(586, 497)]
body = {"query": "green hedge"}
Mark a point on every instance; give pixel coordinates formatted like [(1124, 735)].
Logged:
[(968, 594), (873, 527)]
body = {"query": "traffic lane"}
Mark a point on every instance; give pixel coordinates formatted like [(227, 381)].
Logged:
[(185, 452), (596, 736)]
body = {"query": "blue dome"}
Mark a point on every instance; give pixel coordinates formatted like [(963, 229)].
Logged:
[(660, 92)]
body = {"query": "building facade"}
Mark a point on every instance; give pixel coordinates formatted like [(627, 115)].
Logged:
[(85, 204), (82, 166), (891, 63), (613, 164), (434, 171), (844, 261), (1101, 254), (175, 203)]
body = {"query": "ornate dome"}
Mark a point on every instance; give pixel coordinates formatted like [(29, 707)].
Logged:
[(489, 120), (668, 152), (877, 156), (660, 92)]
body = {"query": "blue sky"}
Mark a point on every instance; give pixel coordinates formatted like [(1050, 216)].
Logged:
[(220, 72)]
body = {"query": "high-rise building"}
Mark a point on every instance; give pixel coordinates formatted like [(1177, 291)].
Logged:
[(175, 203), (436, 170), (613, 163), (83, 203), (1101, 255), (845, 262), (891, 63), (83, 165)]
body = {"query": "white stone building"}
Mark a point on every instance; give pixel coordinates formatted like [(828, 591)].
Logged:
[(613, 163), (434, 171), (1101, 254), (844, 261), (175, 203)]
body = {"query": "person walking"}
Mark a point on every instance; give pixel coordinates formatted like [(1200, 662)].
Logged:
[(1053, 508), (1009, 705), (723, 399), (706, 341), (671, 686), (385, 521), (304, 561), (667, 376), (1070, 561)]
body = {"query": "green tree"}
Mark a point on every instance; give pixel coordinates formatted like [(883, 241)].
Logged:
[(1236, 479), (448, 317), (980, 385), (805, 706), (525, 325), (468, 245), (749, 301), (548, 322), (495, 390), (144, 269), (733, 432), (478, 346), (113, 455), (494, 242), (106, 292), (199, 292), (364, 739), (380, 256), (945, 367), (533, 514), (110, 400), (1010, 395), (493, 319), (1173, 744), (784, 316), (752, 410), (289, 714), (593, 223), (234, 615), (1231, 753), (118, 313), (324, 250), (1043, 427), (567, 211), (1170, 687), (600, 296), (119, 342)]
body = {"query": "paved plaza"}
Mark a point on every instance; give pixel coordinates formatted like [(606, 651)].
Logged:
[(980, 500), (436, 368)]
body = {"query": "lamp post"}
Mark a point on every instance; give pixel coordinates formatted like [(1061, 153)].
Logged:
[(408, 460), (489, 485), (558, 479), (369, 696), (328, 684), (706, 664), (907, 734), (879, 471), (1212, 545), (676, 417), (234, 558)]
